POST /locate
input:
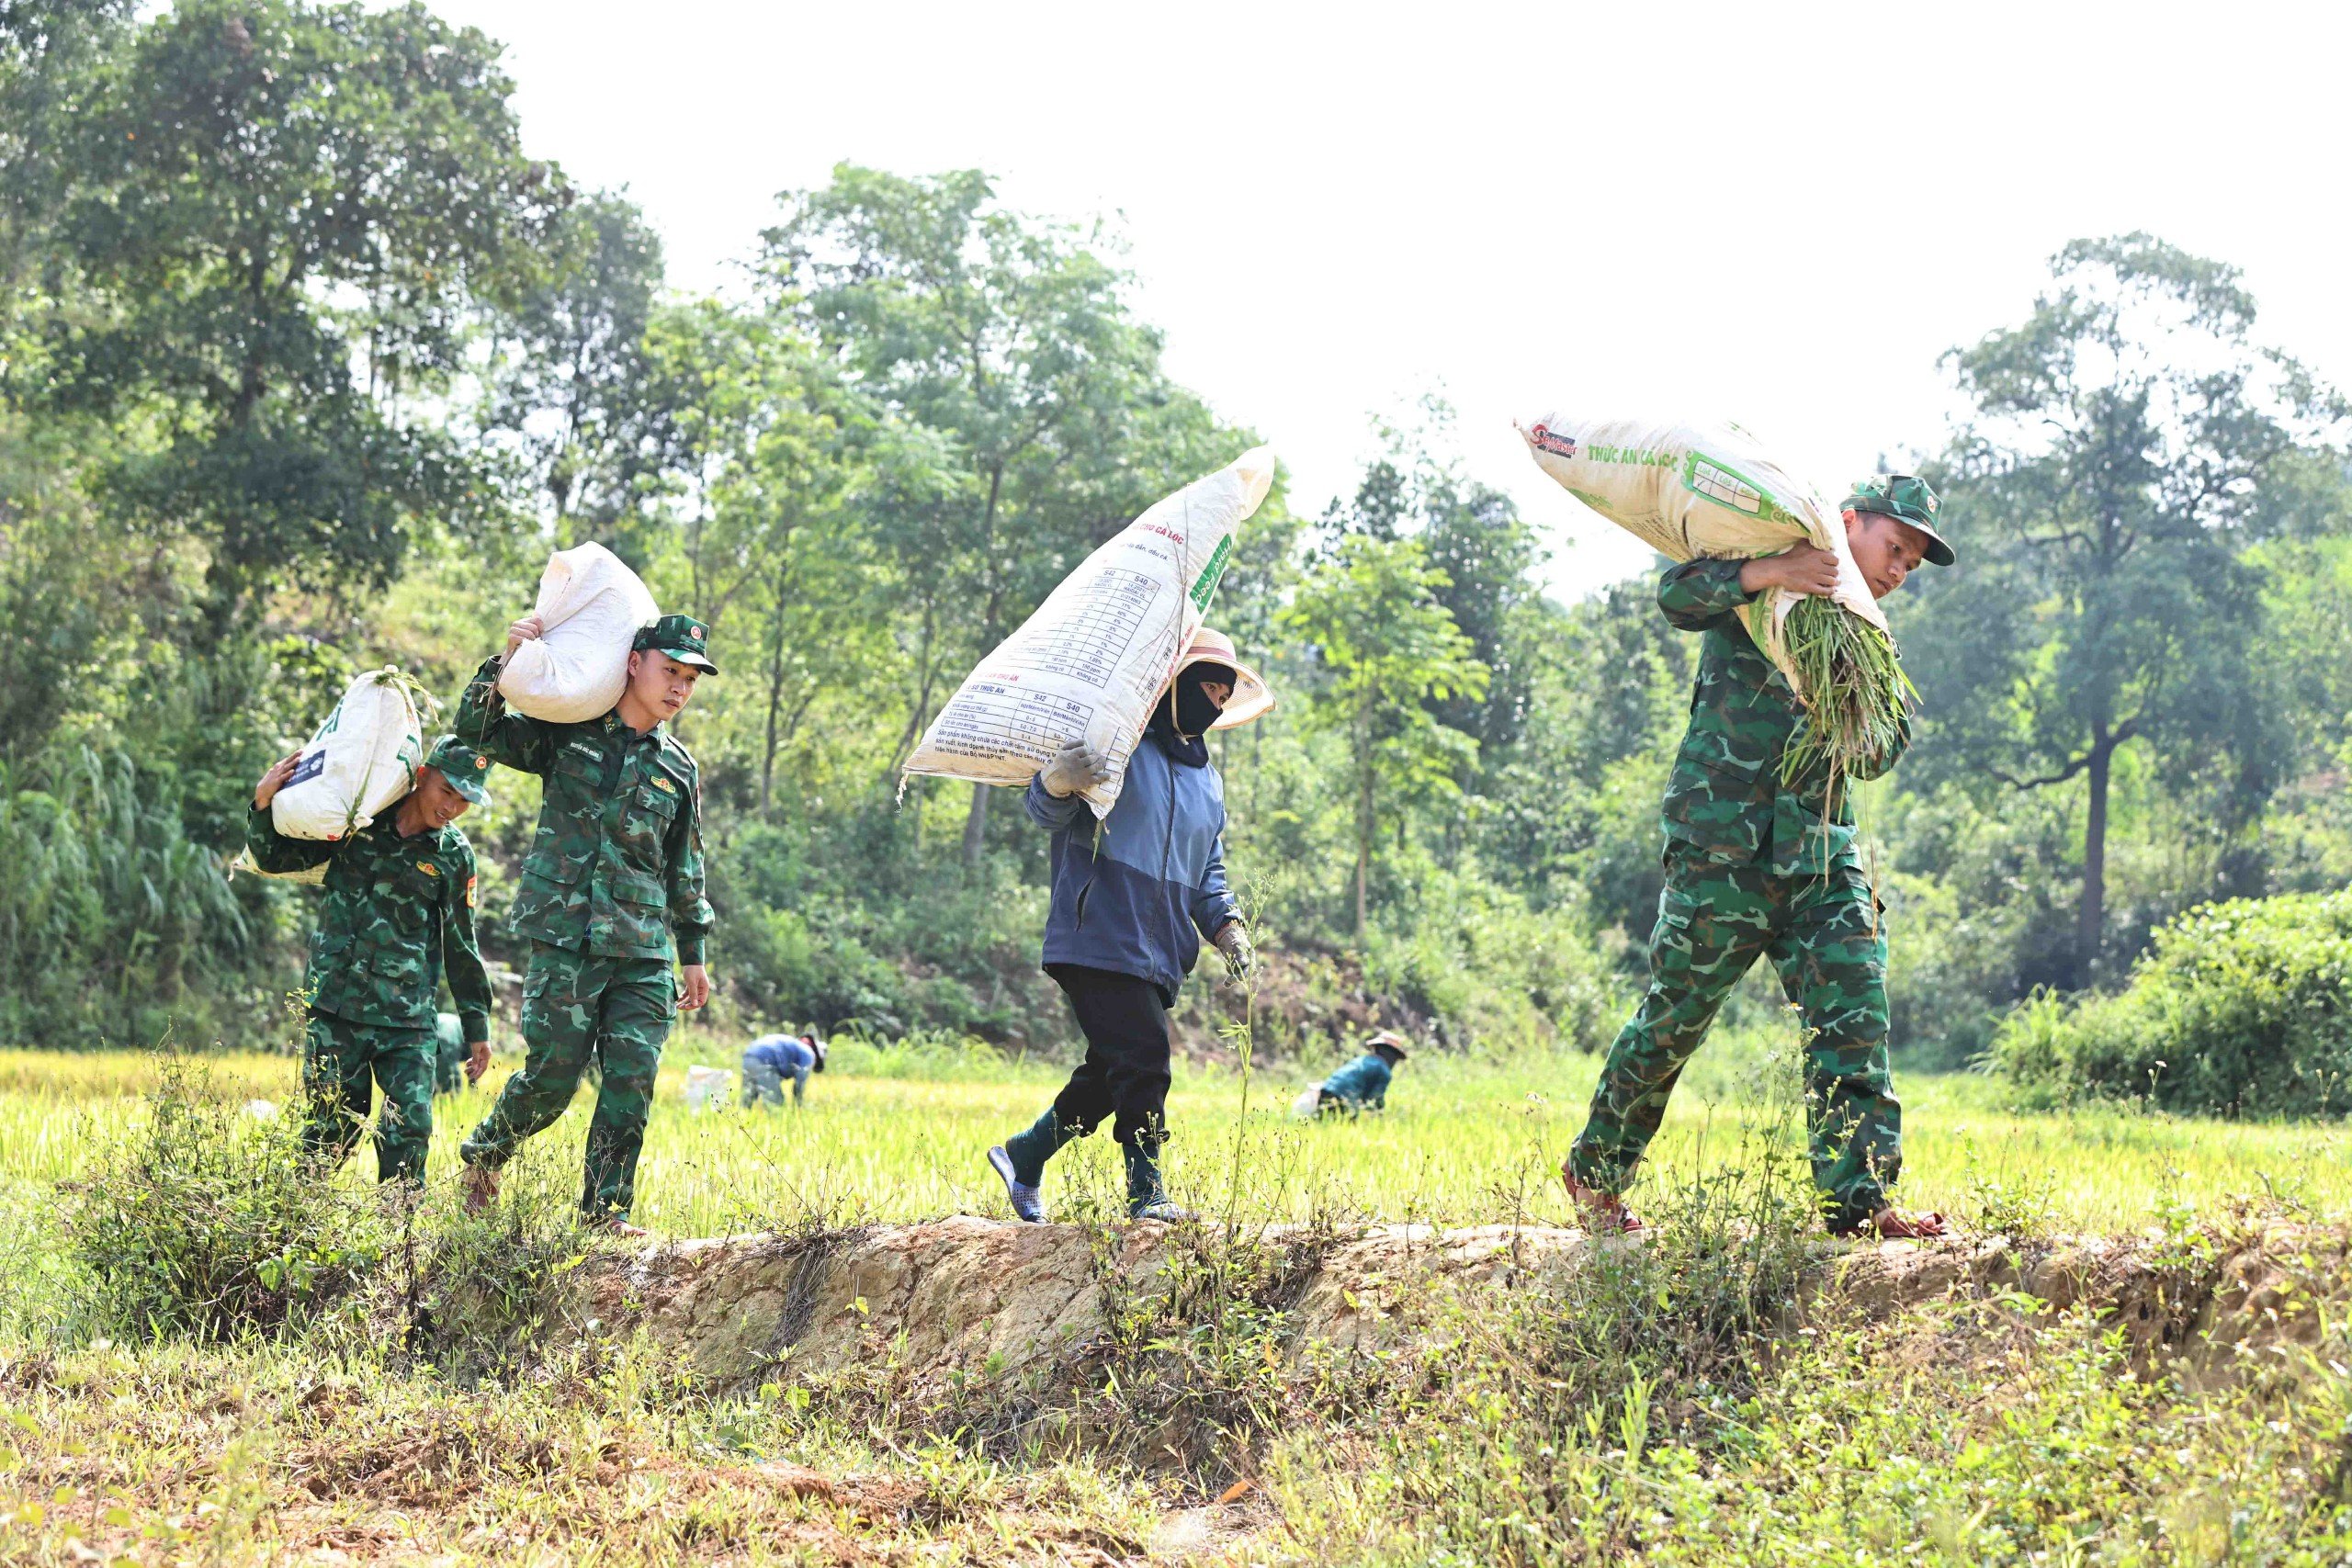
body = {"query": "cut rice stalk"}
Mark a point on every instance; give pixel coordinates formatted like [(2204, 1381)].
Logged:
[(1856, 696)]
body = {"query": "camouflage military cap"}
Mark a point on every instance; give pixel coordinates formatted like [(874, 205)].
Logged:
[(682, 637), (1907, 499), (467, 770)]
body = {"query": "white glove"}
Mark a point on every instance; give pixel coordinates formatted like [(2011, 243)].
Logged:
[(1075, 767), (1240, 954)]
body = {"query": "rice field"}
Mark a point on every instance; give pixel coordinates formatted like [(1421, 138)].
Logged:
[(898, 1134)]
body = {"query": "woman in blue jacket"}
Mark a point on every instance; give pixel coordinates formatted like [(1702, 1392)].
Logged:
[(1131, 903)]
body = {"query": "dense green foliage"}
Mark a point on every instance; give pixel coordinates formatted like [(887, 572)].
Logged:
[(304, 367), (2240, 1009)]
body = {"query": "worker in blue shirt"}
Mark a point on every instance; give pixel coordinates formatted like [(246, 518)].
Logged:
[(1362, 1084), (772, 1058), (1134, 898)]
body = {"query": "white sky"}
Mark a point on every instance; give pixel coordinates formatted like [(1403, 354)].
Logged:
[(1780, 214)]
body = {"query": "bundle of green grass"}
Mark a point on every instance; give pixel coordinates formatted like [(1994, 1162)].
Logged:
[(1858, 701), (1689, 490)]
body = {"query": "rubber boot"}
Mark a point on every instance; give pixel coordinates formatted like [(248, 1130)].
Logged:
[(1147, 1198), (1032, 1148)]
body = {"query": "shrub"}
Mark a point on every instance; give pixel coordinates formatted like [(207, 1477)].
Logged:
[(214, 1224), (2240, 1009)]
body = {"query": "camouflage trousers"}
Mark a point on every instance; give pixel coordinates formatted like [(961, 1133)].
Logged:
[(1823, 935), (615, 1012), (340, 1058)]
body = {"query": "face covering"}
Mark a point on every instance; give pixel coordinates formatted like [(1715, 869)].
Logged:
[(1195, 712)]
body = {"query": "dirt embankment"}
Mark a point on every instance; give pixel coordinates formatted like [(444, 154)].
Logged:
[(969, 1299)]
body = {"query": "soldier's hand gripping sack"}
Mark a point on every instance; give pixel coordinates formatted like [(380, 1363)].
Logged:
[(1691, 491), (355, 764), (590, 608), (1091, 662)]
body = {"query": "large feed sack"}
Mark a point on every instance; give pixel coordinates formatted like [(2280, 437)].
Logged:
[(360, 761), (1691, 491), (1093, 658), (590, 608)]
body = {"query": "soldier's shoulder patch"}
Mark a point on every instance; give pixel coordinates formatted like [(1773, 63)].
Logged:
[(470, 892)]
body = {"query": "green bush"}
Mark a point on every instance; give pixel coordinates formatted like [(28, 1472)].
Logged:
[(214, 1224), (113, 920), (2240, 1009)]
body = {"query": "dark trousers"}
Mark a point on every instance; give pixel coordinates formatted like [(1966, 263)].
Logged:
[(1126, 1070)]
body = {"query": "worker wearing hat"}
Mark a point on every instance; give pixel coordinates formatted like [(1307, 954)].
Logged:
[(1762, 866), (397, 913), (611, 902), (1362, 1084), (1131, 903)]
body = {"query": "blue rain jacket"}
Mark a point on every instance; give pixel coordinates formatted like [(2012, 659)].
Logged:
[(1141, 899)]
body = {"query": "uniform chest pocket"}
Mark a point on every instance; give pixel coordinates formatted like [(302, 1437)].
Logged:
[(576, 782), (658, 800), (420, 897)]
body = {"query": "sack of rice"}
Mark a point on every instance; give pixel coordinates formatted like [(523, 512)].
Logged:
[(1093, 659), (1689, 491), (590, 608), (357, 764)]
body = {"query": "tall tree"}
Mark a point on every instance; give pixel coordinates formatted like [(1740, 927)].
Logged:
[(1387, 650), (567, 386), (1009, 338), (1416, 488), (779, 453), (279, 220), (2130, 444)]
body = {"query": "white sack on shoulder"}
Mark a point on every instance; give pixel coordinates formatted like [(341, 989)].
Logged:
[(1091, 662), (359, 761), (1691, 491), (590, 607)]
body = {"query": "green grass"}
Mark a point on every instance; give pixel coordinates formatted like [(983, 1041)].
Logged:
[(1658, 1409), (1462, 1143)]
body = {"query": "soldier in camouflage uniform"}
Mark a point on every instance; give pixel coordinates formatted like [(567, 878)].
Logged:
[(613, 873), (1757, 865), (399, 910)]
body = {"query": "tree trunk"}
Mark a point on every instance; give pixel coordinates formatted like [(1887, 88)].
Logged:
[(1367, 824), (975, 823), (776, 688), (2090, 920)]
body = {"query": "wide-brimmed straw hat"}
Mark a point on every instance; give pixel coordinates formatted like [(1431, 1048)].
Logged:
[(1251, 700)]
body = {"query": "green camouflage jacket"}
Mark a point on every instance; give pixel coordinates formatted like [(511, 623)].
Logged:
[(397, 912), (617, 866), (1725, 798)]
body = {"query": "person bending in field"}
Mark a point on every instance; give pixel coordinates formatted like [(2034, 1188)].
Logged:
[(1758, 865), (610, 894), (1130, 905), (398, 913), (772, 1058), (1362, 1084)]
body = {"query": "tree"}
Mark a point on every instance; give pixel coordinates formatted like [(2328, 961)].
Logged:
[(2129, 445), (279, 222), (1472, 533), (575, 333), (1386, 649), (778, 452), (1008, 339)]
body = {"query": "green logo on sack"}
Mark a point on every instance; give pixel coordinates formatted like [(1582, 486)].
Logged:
[(1205, 584), (1728, 488)]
